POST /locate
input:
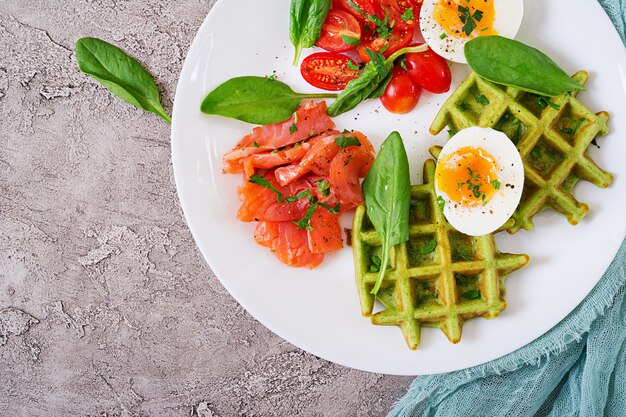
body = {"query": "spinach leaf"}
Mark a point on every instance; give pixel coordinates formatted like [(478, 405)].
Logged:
[(387, 193), (371, 83), (512, 63), (306, 20), (360, 89), (120, 74), (257, 100)]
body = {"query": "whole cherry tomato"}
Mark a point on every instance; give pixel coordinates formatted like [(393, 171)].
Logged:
[(429, 71), (402, 94)]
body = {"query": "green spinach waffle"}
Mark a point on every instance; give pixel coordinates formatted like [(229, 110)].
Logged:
[(439, 278), (552, 136)]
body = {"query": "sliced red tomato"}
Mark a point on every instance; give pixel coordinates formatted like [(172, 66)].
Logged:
[(328, 70), (403, 13), (402, 94), (358, 8), (396, 40), (429, 71), (338, 25)]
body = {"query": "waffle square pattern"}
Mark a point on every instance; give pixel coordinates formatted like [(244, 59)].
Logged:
[(552, 135), (439, 278)]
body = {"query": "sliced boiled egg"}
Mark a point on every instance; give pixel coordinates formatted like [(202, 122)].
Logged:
[(480, 178), (448, 24)]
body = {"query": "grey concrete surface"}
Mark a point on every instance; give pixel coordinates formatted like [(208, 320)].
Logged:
[(106, 306)]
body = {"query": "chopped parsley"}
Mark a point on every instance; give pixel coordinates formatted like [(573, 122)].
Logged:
[(376, 263), (544, 102), (293, 128), (463, 106), (305, 222), (443, 36), (517, 135), (496, 184), (441, 203), (383, 27), (345, 141), (470, 20), (464, 280), (255, 144), (349, 40), (260, 180), (408, 15), (323, 187), (352, 66), (303, 194)]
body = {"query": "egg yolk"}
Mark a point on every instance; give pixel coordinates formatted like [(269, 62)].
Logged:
[(458, 17), (468, 176)]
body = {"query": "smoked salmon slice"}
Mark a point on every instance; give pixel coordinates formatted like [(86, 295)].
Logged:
[(325, 233), (289, 243), (347, 168), (310, 119)]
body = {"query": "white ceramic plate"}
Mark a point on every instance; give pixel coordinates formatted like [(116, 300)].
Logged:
[(318, 310)]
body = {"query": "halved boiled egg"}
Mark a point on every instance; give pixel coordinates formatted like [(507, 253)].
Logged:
[(448, 24), (480, 177)]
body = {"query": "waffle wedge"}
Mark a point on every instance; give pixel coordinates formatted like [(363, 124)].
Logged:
[(553, 137), (462, 278)]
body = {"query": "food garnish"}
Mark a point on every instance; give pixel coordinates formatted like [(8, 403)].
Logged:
[(512, 63), (120, 74), (387, 194), (256, 100), (306, 20)]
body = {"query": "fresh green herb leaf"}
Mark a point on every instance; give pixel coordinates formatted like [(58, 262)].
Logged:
[(535, 153), (263, 182), (349, 40), (463, 106), (301, 195), (544, 102), (465, 257), (305, 222), (343, 141), (384, 48), (464, 280), (427, 248), (471, 295), (255, 144), (387, 193), (353, 66), (484, 199), (469, 19), (441, 203), (517, 135), (408, 15), (512, 63), (323, 187), (402, 63), (257, 100), (120, 74), (293, 128), (495, 184), (333, 210), (443, 36), (482, 100), (306, 20)]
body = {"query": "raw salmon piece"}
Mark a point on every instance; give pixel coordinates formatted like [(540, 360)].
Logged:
[(325, 235), (311, 120), (289, 243), (269, 160), (349, 166), (260, 203)]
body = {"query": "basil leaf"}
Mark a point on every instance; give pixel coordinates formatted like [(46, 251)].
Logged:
[(374, 74), (387, 193), (380, 90), (306, 20), (257, 100), (120, 74), (343, 141), (512, 63)]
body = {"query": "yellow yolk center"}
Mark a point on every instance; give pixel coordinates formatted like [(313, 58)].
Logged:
[(468, 176), (453, 16)]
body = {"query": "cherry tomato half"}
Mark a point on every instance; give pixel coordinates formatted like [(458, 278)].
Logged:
[(429, 71), (399, 13), (328, 70), (339, 23), (402, 94), (363, 8), (396, 40)]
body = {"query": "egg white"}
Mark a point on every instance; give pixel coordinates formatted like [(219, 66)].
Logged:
[(508, 19), (481, 220)]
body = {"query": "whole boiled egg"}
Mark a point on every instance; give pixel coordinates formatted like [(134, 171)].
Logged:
[(447, 25), (480, 177)]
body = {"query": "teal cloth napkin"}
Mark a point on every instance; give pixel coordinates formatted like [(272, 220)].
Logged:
[(578, 368)]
